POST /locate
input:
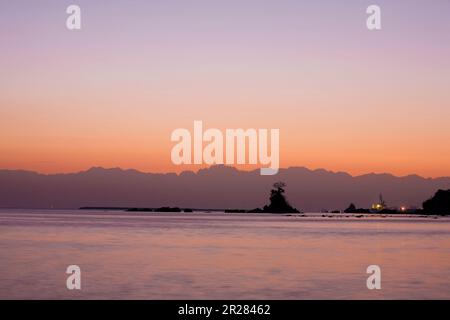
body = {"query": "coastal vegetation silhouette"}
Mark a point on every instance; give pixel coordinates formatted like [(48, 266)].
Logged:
[(438, 204), (278, 201)]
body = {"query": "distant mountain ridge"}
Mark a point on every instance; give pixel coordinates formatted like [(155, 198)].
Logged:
[(215, 187)]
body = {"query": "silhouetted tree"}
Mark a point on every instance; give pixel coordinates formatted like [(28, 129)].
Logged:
[(279, 186), (278, 202)]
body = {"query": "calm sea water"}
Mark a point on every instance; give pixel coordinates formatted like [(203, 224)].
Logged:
[(221, 256)]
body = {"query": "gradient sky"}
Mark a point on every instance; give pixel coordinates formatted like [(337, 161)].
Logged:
[(343, 97)]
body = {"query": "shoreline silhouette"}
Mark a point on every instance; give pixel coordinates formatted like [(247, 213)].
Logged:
[(439, 204), (216, 188)]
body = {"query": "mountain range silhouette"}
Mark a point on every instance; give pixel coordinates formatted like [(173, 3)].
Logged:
[(217, 187)]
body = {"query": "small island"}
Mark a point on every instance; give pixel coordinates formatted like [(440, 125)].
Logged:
[(278, 202)]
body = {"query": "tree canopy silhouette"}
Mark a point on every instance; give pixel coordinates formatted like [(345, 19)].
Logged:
[(438, 204), (278, 202)]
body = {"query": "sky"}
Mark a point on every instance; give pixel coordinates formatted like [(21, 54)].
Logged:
[(344, 98)]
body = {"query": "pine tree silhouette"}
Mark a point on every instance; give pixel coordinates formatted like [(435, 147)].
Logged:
[(278, 202)]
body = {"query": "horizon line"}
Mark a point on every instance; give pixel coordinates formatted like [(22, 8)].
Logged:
[(225, 166)]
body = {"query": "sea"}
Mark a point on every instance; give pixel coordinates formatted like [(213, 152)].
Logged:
[(217, 255)]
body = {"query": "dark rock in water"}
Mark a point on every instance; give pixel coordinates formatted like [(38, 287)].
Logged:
[(256, 210), (352, 209), (168, 209), (278, 202), (438, 204), (162, 209), (140, 209)]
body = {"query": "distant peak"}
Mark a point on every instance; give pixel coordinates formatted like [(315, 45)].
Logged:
[(101, 169), (93, 169), (218, 168)]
